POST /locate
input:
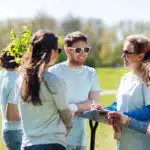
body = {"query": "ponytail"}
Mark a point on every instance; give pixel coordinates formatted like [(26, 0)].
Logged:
[(42, 44), (32, 78)]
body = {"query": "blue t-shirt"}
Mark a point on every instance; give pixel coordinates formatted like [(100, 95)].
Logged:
[(7, 84), (79, 83)]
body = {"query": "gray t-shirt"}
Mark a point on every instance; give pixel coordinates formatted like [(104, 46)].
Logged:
[(42, 124)]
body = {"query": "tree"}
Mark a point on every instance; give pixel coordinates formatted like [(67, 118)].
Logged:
[(70, 24)]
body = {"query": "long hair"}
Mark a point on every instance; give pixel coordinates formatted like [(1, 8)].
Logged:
[(141, 44), (33, 65)]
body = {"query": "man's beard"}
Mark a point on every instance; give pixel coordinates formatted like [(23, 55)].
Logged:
[(77, 62)]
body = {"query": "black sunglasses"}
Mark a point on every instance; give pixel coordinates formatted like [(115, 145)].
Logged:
[(126, 52), (59, 50), (79, 50)]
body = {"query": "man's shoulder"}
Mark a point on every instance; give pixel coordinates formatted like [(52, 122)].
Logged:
[(50, 76), (89, 69), (126, 75), (56, 67)]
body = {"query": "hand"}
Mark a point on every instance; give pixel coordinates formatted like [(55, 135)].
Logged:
[(67, 132), (115, 119), (77, 113), (96, 107)]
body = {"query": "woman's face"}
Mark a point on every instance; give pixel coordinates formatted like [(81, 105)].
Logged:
[(53, 57), (129, 56)]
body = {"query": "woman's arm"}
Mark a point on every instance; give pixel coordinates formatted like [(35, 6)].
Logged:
[(112, 107), (60, 98), (116, 118), (140, 126), (142, 114)]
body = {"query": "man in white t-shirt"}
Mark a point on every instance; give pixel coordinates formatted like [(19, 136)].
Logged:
[(82, 85)]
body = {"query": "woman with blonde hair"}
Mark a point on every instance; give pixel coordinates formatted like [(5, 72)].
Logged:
[(133, 98)]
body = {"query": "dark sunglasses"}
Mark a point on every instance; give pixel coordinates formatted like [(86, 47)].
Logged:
[(79, 50), (126, 52), (59, 50)]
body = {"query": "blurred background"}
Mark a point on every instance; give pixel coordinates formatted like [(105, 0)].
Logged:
[(105, 22)]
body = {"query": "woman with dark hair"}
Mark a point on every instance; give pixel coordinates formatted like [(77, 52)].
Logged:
[(133, 98), (43, 104), (11, 125)]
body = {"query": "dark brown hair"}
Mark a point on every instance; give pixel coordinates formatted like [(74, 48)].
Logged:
[(6, 60), (42, 44), (141, 44), (74, 37)]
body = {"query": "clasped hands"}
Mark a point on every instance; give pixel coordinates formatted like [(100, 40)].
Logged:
[(114, 118)]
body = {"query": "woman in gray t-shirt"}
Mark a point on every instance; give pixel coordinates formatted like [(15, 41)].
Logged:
[(43, 104)]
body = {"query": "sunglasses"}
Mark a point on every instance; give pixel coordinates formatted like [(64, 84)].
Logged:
[(79, 50), (59, 50), (126, 52)]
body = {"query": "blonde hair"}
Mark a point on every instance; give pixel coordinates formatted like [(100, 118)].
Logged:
[(141, 44)]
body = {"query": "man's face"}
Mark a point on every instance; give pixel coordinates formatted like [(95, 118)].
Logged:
[(78, 53)]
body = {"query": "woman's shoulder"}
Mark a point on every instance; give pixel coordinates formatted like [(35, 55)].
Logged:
[(127, 75), (51, 77), (52, 81)]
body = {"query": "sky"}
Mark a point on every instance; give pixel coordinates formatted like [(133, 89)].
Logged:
[(110, 11)]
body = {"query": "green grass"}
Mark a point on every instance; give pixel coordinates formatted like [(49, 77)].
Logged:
[(2, 146), (109, 79)]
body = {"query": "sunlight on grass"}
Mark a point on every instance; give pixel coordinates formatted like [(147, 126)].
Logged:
[(109, 78)]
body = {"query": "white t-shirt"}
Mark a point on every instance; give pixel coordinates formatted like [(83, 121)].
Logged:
[(132, 94), (79, 83)]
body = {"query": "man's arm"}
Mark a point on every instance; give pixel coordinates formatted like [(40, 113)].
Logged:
[(94, 97), (94, 94)]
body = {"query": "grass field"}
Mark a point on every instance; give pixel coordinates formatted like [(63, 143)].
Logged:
[(109, 79)]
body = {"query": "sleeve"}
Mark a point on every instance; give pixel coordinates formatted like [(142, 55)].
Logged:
[(112, 107), (54, 69), (142, 114), (14, 95), (61, 98), (95, 83), (57, 87), (138, 125), (3, 93)]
